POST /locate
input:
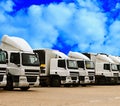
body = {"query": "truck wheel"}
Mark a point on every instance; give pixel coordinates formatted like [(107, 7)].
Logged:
[(9, 85), (67, 85), (55, 81), (24, 88), (100, 80), (83, 85), (44, 85)]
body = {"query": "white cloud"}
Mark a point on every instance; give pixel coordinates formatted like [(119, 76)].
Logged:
[(115, 29), (43, 32), (89, 5), (83, 25), (117, 6), (114, 37), (59, 14), (6, 5)]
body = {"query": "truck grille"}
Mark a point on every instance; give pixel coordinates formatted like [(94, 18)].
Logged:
[(74, 74), (31, 72), (1, 77), (31, 78), (115, 74), (2, 71), (74, 78), (91, 77), (91, 73)]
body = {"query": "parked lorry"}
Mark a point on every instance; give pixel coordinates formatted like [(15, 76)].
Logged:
[(57, 68), (3, 68), (116, 71), (22, 65), (86, 68), (104, 67)]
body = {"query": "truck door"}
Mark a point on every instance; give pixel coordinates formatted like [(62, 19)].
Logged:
[(62, 67), (107, 70), (14, 64)]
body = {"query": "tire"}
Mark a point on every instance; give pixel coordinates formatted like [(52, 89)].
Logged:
[(75, 85), (83, 85), (24, 88), (9, 85), (55, 81), (67, 85), (43, 84), (100, 80), (44, 81)]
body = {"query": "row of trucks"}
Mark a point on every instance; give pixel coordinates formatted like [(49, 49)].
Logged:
[(98, 68), (107, 68), (22, 67), (77, 68), (60, 69)]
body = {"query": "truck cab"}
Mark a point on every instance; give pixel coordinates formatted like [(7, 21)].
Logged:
[(66, 69), (22, 65), (23, 69), (3, 68), (57, 68), (104, 68), (116, 67), (86, 68)]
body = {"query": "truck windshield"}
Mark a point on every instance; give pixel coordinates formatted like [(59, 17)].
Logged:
[(30, 59), (80, 64), (2, 57), (72, 64), (118, 66), (114, 67), (89, 65)]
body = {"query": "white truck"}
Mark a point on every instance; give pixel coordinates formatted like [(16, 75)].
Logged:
[(3, 68), (116, 71), (57, 68), (23, 64), (86, 68), (104, 67)]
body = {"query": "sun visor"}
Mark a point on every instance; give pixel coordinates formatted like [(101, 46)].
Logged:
[(60, 54), (15, 43)]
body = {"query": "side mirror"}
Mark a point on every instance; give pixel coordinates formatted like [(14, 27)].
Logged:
[(65, 68), (18, 65), (6, 60), (84, 68)]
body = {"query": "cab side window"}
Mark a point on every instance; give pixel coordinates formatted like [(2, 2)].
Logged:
[(80, 64), (107, 66), (61, 63), (15, 58)]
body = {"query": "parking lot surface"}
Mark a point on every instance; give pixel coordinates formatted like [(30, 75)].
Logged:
[(64, 96)]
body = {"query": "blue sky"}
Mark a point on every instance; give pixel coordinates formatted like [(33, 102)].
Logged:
[(76, 25)]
